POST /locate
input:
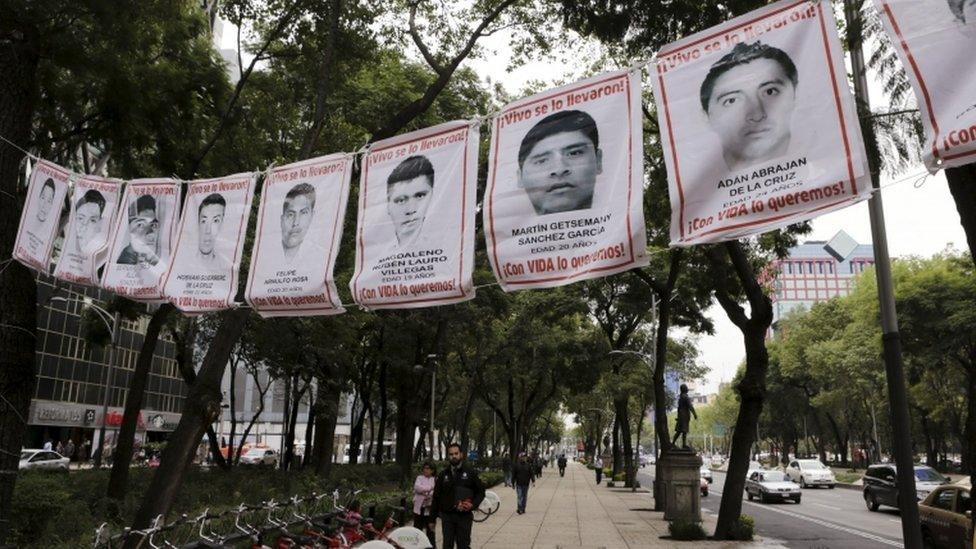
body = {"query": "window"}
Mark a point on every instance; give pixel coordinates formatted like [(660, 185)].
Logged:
[(944, 500), (963, 504)]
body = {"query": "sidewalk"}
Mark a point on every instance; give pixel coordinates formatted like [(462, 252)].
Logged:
[(574, 512)]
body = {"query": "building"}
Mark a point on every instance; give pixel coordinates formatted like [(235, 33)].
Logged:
[(816, 271), (72, 376)]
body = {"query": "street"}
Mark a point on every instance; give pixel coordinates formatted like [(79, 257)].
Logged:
[(834, 519)]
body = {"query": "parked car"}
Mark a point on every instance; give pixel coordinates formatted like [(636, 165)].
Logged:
[(260, 457), (771, 486), (703, 486), (880, 487), (42, 459), (753, 467), (706, 474), (946, 516), (810, 472)]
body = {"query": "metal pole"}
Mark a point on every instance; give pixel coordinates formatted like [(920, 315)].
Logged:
[(109, 381), (891, 340)]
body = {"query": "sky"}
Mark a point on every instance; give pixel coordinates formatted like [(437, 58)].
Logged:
[(920, 215)]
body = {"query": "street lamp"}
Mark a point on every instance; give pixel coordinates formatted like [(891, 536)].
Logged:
[(111, 322)]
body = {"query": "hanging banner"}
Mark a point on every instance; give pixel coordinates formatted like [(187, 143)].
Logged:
[(297, 241), (203, 274), (564, 201), (415, 240), (85, 246), (936, 40), (142, 239), (39, 220), (758, 124)]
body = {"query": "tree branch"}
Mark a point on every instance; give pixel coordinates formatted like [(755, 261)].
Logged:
[(419, 41)]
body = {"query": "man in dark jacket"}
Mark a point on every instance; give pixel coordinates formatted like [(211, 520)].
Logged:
[(562, 464), (522, 475), (458, 490)]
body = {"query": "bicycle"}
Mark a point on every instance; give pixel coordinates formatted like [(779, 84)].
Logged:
[(488, 507)]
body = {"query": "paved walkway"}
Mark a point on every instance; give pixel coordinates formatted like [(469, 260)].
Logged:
[(573, 511)]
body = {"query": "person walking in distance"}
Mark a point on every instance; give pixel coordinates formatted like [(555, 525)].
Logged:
[(522, 475), (598, 464), (562, 464), (423, 502), (507, 469), (457, 491)]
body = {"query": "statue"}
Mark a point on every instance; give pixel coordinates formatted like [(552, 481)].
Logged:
[(685, 411)]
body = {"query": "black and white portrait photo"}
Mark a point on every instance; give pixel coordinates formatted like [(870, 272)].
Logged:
[(210, 218), (963, 10), (89, 212), (409, 192), (297, 211), (42, 220), (559, 161), (749, 96), (144, 233)]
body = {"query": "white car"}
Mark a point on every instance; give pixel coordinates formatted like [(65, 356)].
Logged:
[(706, 473), (810, 472), (42, 459), (260, 456), (771, 486)]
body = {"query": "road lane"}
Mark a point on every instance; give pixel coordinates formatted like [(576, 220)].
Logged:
[(834, 519)]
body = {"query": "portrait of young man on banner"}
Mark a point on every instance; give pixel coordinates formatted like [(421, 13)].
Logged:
[(39, 219), (758, 124), (202, 276), (297, 241), (142, 239), (415, 239), (935, 40), (93, 209), (565, 192)]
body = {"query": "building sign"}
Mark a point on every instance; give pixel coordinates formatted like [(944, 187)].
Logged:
[(64, 414)]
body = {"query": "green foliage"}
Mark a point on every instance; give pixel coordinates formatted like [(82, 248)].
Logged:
[(686, 530), (743, 528)]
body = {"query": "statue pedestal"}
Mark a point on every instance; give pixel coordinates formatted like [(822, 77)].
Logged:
[(681, 485)]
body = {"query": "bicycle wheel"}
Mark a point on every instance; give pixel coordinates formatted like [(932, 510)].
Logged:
[(491, 503)]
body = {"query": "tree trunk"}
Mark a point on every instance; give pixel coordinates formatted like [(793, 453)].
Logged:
[(962, 185), (466, 421), (296, 399), (118, 482), (752, 390), (620, 404), (327, 413), (200, 409), (18, 293), (310, 428), (752, 387), (616, 445), (384, 407)]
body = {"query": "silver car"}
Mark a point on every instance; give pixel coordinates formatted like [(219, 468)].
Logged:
[(771, 486), (810, 472), (260, 457), (42, 459)]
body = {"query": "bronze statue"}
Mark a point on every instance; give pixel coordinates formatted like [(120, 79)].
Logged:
[(685, 411)]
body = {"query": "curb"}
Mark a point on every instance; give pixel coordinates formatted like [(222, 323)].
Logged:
[(849, 486)]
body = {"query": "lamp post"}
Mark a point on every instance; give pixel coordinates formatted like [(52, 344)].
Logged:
[(111, 322)]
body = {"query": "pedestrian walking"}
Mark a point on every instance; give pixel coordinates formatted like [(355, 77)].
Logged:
[(598, 464), (423, 501), (507, 469), (47, 445), (457, 491), (522, 474), (69, 450), (562, 464)]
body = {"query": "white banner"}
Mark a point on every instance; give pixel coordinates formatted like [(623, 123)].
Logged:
[(936, 40), (564, 201), (142, 239), (758, 124), (39, 222), (298, 235), (203, 274), (415, 243), (93, 206)]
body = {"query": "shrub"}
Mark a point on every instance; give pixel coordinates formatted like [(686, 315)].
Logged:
[(491, 478), (742, 529), (686, 530), (620, 477)]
